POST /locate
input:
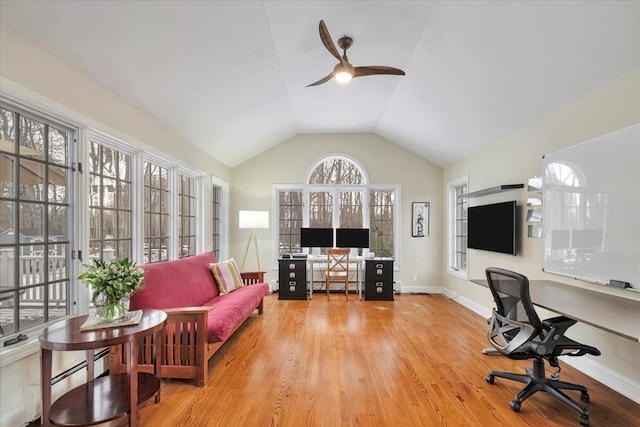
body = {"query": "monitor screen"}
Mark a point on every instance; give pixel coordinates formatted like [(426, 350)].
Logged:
[(352, 237), (492, 227), (316, 237)]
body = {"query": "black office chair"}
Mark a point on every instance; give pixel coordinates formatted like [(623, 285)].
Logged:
[(516, 331)]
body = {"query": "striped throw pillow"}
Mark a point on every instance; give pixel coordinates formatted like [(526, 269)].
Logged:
[(227, 276)]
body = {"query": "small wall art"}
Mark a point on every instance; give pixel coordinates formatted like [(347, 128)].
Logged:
[(420, 219)]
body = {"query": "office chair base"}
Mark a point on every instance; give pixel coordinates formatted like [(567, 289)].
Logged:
[(535, 381)]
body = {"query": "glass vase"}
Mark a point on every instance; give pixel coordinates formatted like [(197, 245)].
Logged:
[(111, 311)]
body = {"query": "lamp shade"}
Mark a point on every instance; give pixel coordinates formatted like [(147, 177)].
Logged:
[(253, 219)]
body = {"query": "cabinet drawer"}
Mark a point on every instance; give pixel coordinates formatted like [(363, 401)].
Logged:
[(378, 271), (378, 290)]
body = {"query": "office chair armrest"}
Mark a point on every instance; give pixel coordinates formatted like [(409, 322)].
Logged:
[(555, 328), (559, 323)]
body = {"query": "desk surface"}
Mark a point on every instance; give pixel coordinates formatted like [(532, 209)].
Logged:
[(620, 316)]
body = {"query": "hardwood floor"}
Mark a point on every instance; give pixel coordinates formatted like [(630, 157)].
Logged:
[(416, 361)]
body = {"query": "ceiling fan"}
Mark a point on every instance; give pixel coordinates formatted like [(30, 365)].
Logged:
[(344, 71)]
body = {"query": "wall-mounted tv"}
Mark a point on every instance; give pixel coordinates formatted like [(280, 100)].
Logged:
[(316, 237), (352, 237), (492, 227)]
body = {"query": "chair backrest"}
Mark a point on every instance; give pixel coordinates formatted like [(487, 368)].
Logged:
[(514, 321), (510, 292), (337, 261)]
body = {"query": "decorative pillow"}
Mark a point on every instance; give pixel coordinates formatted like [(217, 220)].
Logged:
[(227, 276)]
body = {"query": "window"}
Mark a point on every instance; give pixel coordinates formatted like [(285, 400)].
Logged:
[(216, 221), (290, 221), (457, 191), (187, 216), (156, 213), (110, 216), (337, 195), (35, 218), (381, 222)]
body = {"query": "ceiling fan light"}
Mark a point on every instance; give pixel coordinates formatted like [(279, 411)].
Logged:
[(343, 77)]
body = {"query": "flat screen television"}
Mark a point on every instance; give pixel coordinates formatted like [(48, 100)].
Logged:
[(316, 237), (492, 227), (352, 237)]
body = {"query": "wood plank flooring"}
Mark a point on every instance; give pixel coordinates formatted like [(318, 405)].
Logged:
[(415, 361)]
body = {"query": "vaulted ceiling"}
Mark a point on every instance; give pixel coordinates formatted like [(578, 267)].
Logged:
[(230, 76)]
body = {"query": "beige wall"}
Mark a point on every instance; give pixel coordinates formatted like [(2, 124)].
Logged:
[(384, 162), (519, 157)]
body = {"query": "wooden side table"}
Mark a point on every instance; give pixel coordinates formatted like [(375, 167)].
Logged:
[(108, 397)]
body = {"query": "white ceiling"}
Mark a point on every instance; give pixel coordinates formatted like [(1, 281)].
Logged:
[(230, 76)]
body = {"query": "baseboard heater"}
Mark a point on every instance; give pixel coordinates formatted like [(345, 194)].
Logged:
[(82, 365)]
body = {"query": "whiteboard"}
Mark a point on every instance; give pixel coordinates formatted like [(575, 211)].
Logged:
[(591, 209)]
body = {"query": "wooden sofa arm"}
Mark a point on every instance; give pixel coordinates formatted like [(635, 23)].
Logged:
[(185, 351), (252, 277)]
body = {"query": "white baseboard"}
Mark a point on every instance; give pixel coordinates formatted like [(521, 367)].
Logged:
[(598, 372), (418, 289), (606, 376), (14, 417)]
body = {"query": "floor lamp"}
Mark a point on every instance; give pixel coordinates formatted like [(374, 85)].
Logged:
[(252, 220)]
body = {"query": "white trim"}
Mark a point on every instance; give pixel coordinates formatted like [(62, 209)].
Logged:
[(612, 379), (451, 220), (201, 211), (224, 216)]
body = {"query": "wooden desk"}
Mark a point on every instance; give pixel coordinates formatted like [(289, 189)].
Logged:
[(620, 316), (104, 398)]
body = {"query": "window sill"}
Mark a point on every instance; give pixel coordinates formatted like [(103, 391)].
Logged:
[(461, 274), (16, 352)]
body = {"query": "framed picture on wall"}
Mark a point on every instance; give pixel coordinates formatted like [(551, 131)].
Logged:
[(420, 219)]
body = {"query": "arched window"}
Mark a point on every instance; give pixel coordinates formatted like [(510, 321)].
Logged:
[(337, 194), (337, 170)]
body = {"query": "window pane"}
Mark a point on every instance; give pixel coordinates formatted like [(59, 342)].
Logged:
[(110, 213), (57, 146), (290, 221), (187, 231), (156, 212), (216, 219), (381, 223)]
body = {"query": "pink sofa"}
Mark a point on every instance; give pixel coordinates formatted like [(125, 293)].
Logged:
[(200, 319)]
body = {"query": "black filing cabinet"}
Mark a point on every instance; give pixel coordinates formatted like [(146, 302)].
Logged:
[(378, 279), (292, 278)]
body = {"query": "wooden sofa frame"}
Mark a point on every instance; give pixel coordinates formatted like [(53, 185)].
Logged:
[(186, 352)]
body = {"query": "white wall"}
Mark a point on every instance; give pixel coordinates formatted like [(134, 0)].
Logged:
[(518, 157), (384, 163)]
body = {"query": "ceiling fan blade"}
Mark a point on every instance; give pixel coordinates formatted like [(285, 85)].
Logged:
[(322, 80), (327, 41), (375, 69)]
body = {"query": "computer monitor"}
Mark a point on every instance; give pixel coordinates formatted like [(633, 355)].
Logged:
[(316, 237), (352, 237)]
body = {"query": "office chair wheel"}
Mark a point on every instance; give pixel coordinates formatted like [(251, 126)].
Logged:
[(584, 396), (584, 420), (490, 379), (515, 405)]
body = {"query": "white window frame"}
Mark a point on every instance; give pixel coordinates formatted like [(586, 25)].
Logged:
[(224, 216), (451, 228)]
